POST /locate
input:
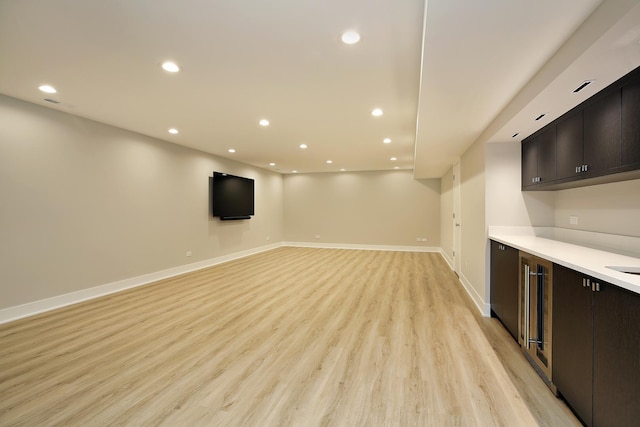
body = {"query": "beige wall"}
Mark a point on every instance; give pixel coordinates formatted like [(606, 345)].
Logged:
[(474, 237), (506, 204), (85, 204), (607, 208), (368, 208), (446, 215)]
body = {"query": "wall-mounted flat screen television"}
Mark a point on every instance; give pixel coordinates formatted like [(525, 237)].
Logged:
[(232, 197)]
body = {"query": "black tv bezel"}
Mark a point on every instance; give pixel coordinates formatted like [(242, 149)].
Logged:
[(235, 216)]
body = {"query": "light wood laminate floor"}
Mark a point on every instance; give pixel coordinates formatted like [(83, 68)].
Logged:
[(288, 337)]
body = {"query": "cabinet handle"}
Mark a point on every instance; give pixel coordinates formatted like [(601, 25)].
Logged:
[(527, 314), (597, 287), (585, 168), (577, 169)]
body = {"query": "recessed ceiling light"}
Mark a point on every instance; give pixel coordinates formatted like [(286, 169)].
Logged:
[(47, 89), (329, 162), (350, 37), (231, 150), (272, 164), (303, 146), (170, 67), (582, 85), (376, 112), (173, 131), (342, 169), (387, 140), (264, 122), (294, 171), (396, 167), (393, 159)]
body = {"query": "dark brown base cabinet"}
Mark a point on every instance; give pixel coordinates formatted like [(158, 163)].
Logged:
[(573, 341), (596, 349), (504, 285), (616, 357)]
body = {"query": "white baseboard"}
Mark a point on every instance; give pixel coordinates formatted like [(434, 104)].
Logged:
[(447, 258), (29, 309), (484, 308), (363, 247)]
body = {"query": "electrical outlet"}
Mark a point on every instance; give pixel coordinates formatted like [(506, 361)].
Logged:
[(317, 236), (268, 237), (417, 239), (189, 253), (424, 239), (573, 220)]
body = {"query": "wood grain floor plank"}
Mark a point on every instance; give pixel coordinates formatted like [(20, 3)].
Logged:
[(288, 337)]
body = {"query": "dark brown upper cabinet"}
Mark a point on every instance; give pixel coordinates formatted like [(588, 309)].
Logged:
[(529, 162), (631, 124), (539, 159), (570, 153), (596, 142), (602, 134), (547, 155)]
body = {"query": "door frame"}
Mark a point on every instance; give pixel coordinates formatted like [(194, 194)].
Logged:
[(457, 219)]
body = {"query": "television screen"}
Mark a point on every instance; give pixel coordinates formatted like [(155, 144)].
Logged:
[(231, 196)]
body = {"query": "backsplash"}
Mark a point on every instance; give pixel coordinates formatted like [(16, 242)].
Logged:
[(623, 245)]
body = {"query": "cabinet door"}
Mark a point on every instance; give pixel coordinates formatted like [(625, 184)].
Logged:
[(631, 124), (616, 357), (573, 340), (529, 162), (547, 155), (569, 145), (504, 285), (602, 134), (496, 282)]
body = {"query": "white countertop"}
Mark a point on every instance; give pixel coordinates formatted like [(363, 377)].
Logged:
[(592, 262)]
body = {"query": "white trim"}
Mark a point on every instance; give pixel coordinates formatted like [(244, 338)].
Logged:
[(363, 247), (484, 308), (31, 308), (447, 258)]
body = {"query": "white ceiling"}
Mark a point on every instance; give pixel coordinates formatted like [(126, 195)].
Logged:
[(282, 60)]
